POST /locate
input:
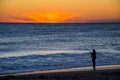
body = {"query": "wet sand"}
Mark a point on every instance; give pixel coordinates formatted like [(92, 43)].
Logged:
[(111, 72)]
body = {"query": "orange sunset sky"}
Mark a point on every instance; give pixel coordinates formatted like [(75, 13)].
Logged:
[(59, 11)]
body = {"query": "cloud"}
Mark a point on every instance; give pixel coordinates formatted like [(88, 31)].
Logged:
[(16, 19), (27, 19), (50, 17), (75, 19), (79, 19)]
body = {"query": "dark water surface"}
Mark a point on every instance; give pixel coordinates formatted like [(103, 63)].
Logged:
[(30, 47)]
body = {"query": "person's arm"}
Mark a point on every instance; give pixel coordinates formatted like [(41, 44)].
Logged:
[(95, 55)]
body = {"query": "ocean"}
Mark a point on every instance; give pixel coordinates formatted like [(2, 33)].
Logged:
[(32, 47)]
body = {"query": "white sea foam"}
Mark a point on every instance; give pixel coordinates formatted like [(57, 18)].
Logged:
[(27, 53)]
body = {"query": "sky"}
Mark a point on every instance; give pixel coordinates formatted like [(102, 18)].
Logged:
[(59, 11)]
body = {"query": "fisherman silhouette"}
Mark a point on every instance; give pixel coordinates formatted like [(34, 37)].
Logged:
[(93, 56)]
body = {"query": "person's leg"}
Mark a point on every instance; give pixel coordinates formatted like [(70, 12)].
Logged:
[(94, 64)]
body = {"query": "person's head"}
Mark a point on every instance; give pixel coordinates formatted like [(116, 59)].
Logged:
[(93, 50)]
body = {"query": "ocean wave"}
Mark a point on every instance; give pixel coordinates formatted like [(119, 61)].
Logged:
[(27, 53), (55, 61)]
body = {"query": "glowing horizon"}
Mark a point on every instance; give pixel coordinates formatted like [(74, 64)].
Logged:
[(59, 11)]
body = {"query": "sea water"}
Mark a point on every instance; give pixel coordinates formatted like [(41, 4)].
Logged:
[(32, 47)]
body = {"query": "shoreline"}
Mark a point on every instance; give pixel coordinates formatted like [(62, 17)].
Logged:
[(108, 72)]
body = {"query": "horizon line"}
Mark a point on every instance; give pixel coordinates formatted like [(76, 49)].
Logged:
[(60, 23)]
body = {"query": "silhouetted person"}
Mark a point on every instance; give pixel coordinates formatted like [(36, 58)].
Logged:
[(93, 56)]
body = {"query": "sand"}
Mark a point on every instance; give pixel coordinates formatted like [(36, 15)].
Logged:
[(110, 72)]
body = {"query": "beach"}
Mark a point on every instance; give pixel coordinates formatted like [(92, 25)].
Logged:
[(110, 72)]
